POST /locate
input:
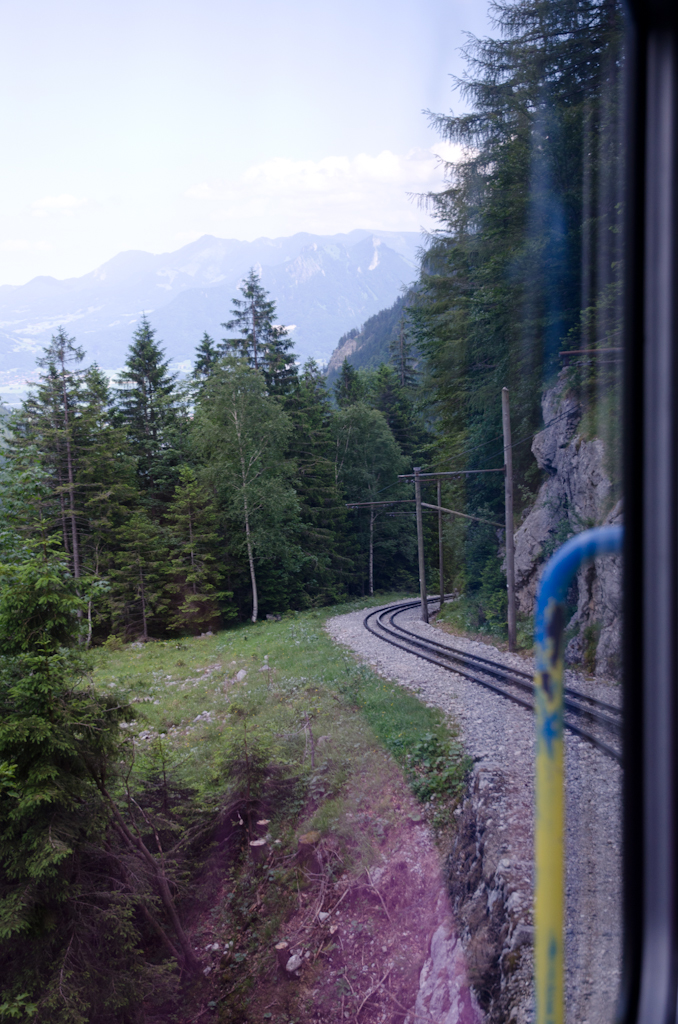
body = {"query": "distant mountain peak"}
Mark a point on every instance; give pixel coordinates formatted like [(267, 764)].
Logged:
[(324, 284)]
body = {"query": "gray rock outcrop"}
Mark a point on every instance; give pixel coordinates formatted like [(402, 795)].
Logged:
[(576, 495)]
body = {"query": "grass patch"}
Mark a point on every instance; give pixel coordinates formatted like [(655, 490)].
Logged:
[(271, 721)]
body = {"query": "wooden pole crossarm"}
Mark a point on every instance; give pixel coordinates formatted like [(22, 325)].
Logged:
[(455, 472), (452, 512), (373, 504)]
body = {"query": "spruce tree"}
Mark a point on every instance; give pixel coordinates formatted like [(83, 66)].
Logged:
[(46, 427), (402, 351), (192, 522), (325, 537), (265, 345), (139, 577), (206, 357), (367, 463), (148, 409), (349, 387), (109, 489)]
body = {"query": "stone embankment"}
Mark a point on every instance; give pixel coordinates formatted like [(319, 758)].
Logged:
[(489, 867), (577, 494)]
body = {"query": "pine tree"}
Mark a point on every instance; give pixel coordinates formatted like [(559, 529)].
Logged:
[(349, 387), (192, 521), (140, 577), (325, 538), (402, 354), (265, 345), (148, 408), (241, 434), (109, 489), (367, 463), (46, 427), (206, 357)]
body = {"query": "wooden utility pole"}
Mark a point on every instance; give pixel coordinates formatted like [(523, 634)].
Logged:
[(510, 567), (441, 566), (420, 544)]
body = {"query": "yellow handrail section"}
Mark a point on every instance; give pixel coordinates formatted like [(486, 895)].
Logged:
[(549, 851)]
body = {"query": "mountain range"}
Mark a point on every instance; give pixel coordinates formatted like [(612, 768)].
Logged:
[(324, 285)]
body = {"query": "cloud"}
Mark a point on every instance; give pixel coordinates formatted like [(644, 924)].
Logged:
[(334, 191), (22, 245), (63, 204)]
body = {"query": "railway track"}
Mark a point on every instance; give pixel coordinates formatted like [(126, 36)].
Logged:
[(602, 719)]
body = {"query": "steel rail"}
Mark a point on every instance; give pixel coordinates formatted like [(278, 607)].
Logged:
[(513, 675), (457, 661), (500, 671)]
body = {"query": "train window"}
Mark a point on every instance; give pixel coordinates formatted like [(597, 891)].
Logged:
[(520, 317)]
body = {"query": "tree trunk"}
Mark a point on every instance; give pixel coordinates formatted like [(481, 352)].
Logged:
[(71, 486), (142, 595), (136, 843), (248, 536), (250, 557)]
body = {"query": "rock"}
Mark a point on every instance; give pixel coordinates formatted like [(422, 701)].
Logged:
[(322, 916), (294, 963), (444, 995), (240, 675), (523, 935), (207, 971), (578, 492)]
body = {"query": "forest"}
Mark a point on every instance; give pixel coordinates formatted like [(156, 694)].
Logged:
[(150, 507)]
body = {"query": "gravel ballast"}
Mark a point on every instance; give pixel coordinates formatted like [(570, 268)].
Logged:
[(499, 736)]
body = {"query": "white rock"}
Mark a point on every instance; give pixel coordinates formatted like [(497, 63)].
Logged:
[(240, 675), (294, 963), (323, 915)]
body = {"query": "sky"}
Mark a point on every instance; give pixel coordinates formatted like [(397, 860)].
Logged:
[(140, 124)]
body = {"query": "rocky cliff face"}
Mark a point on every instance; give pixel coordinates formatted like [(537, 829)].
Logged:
[(577, 494)]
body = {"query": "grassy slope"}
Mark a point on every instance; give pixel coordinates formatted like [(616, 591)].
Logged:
[(227, 744)]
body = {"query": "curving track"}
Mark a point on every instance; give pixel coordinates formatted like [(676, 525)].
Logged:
[(603, 719)]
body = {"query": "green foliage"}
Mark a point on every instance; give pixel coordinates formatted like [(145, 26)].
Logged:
[(517, 252), (265, 346), (206, 358), (437, 767), (192, 521), (240, 435), (349, 387), (324, 536), (140, 576), (147, 403), (67, 944)]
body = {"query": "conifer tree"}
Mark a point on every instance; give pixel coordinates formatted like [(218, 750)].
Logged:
[(349, 387), (192, 520), (265, 345), (47, 424), (148, 408), (402, 354), (367, 463), (325, 537), (140, 576), (206, 357), (109, 488)]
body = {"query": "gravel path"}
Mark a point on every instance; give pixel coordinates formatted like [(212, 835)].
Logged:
[(499, 734)]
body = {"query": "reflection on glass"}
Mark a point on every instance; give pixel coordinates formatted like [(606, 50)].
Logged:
[(522, 289)]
